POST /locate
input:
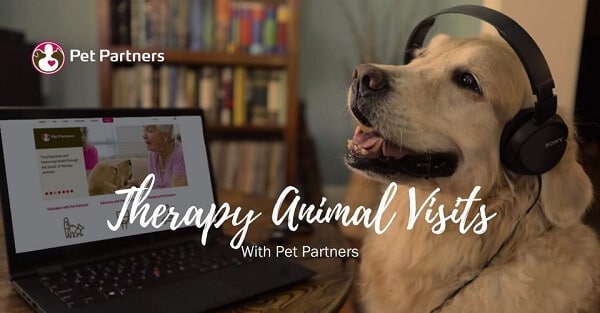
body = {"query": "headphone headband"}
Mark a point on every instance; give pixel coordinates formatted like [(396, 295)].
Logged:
[(524, 46)]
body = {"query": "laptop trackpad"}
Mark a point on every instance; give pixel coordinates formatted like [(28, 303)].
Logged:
[(191, 295)]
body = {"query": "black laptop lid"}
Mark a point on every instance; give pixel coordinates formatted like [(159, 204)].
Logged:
[(55, 199)]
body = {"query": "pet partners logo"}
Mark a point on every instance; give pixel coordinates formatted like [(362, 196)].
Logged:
[(46, 137), (48, 57)]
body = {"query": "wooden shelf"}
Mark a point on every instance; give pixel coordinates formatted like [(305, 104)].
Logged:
[(288, 134), (209, 58)]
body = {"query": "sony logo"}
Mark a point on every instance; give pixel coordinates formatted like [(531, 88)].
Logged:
[(553, 142)]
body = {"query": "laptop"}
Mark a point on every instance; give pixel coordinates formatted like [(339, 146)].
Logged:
[(63, 257)]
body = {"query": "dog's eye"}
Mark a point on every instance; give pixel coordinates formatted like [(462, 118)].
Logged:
[(467, 80)]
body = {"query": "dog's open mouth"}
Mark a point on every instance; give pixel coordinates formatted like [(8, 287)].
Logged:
[(367, 150)]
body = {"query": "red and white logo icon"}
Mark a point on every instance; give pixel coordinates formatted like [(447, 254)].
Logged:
[(48, 57)]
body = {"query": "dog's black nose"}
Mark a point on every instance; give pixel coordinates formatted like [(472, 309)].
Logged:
[(129, 162), (369, 78)]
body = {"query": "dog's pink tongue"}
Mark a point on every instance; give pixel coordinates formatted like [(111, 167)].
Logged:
[(365, 144), (365, 140), (371, 145), (391, 150)]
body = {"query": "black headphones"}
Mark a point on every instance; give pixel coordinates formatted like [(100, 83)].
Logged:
[(535, 140)]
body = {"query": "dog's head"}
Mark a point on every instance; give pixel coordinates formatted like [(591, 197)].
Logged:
[(116, 173), (123, 173), (437, 122)]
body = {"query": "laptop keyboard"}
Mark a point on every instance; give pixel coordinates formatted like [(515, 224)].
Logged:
[(117, 277)]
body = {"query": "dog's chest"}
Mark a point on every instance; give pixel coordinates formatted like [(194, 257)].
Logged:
[(406, 270)]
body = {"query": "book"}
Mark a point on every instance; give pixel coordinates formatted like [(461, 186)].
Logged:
[(155, 87), (168, 37), (196, 24), (252, 167), (234, 28), (164, 86), (231, 165), (162, 29), (223, 18), (283, 98), (154, 24), (261, 169), (117, 84), (239, 96), (172, 86), (120, 20), (130, 88), (180, 20), (275, 179), (231, 26), (244, 166), (133, 87), (283, 19), (144, 75), (274, 96), (217, 157), (270, 29), (207, 93), (190, 87), (226, 96), (138, 23), (179, 87), (172, 29), (208, 33), (245, 26), (258, 19), (257, 107)]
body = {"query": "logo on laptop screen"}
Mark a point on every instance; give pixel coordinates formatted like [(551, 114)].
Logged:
[(72, 230), (46, 137), (48, 57)]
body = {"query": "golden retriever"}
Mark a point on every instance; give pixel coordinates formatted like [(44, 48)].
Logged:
[(443, 114), (108, 176)]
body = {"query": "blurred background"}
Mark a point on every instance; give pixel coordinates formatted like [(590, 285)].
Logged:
[(326, 39)]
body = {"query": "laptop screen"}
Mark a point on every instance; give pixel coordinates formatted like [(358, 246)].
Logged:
[(62, 173)]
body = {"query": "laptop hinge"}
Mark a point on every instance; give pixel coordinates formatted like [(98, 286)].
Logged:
[(49, 269)]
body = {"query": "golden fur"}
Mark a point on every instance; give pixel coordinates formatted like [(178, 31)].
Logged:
[(550, 265), (108, 176)]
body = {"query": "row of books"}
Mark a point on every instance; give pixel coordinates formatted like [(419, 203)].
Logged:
[(231, 96), (253, 167), (255, 27)]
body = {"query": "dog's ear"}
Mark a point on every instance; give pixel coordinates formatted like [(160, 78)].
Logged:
[(566, 189), (438, 40)]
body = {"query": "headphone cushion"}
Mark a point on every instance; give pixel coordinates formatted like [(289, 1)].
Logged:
[(511, 127), (531, 148)]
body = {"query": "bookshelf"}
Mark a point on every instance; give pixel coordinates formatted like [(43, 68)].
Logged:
[(285, 131)]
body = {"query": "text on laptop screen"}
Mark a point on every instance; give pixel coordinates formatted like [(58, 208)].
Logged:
[(62, 174)]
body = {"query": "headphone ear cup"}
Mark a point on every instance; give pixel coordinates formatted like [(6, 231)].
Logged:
[(529, 148), (510, 158)]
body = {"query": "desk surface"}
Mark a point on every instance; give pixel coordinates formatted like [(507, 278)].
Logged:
[(325, 292)]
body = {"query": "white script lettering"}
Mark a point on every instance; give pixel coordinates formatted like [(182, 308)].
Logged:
[(205, 220), (440, 226), (312, 214)]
